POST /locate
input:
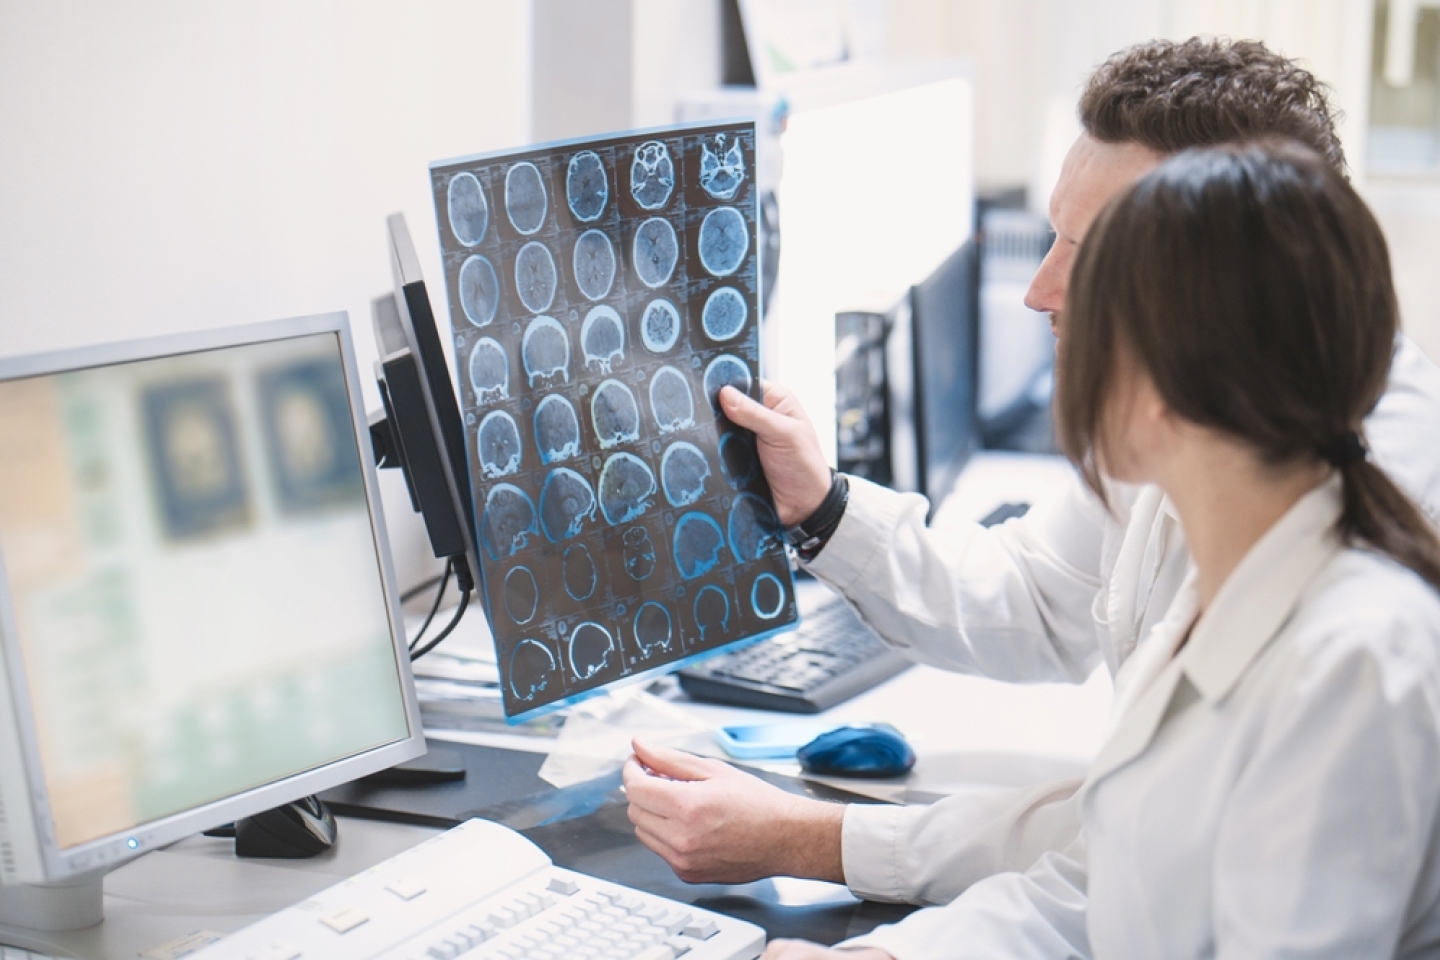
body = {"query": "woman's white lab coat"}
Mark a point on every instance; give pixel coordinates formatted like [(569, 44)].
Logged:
[(1271, 790)]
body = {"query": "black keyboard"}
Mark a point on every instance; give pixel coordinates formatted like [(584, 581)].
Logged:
[(829, 659)]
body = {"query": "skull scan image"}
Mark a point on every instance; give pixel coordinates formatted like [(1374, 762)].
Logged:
[(724, 314), (521, 595), (557, 429), (508, 521), (627, 485), (698, 543), (712, 611), (656, 251), (652, 175), (660, 326), (754, 528), (683, 472), (535, 276), (594, 262), (725, 371), (479, 290), (670, 400), (525, 199), (578, 572), (468, 209), (531, 667), (767, 596), (653, 629), (614, 414), (566, 502), (724, 240), (586, 187), (589, 649), (638, 553), (545, 351), (489, 371), (602, 338), (722, 166), (498, 440), (738, 460)]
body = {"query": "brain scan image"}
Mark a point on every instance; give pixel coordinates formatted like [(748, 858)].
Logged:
[(557, 429), (627, 485), (698, 544), (507, 522), (657, 250), (767, 596), (535, 276), (602, 338), (479, 290), (660, 326), (469, 212), (586, 187), (723, 371), (738, 460), (670, 400), (652, 175), (683, 472), (521, 595), (489, 371), (545, 352), (589, 649), (594, 264), (638, 553), (614, 414), (499, 442), (525, 199), (754, 528), (566, 502), (722, 166), (724, 240), (724, 314), (578, 572), (712, 610), (531, 667), (653, 629)]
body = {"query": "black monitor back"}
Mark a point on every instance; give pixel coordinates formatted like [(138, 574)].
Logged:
[(944, 317)]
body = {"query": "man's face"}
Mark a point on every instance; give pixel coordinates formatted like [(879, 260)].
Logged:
[(1093, 172)]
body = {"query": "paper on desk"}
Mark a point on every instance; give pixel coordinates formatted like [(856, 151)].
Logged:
[(596, 737)]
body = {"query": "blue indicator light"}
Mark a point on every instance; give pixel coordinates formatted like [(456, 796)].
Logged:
[(133, 844)]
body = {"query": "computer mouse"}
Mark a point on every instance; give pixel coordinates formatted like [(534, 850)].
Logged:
[(292, 831), (872, 750)]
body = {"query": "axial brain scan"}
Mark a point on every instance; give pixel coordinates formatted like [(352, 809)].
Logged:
[(602, 292)]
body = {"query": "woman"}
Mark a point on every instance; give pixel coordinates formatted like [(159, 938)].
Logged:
[(1272, 783)]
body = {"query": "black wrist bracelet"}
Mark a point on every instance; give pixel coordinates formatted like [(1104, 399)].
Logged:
[(812, 533)]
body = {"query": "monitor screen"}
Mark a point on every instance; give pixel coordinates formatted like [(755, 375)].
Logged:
[(193, 585)]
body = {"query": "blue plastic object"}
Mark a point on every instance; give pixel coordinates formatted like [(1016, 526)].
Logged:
[(873, 750)]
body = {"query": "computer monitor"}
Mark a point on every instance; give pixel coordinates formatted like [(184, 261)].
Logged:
[(198, 618), (944, 324)]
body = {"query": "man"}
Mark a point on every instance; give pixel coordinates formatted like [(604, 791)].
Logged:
[(1045, 598)]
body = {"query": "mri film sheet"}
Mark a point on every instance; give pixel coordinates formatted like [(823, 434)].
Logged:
[(601, 293)]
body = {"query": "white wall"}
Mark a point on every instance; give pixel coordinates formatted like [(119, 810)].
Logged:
[(170, 165)]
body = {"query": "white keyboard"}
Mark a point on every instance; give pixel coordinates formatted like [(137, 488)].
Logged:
[(482, 891)]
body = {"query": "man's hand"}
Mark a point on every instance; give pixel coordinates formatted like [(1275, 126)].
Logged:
[(789, 449), (805, 950), (714, 824)]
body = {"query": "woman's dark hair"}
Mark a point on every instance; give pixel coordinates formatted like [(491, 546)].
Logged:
[(1252, 285)]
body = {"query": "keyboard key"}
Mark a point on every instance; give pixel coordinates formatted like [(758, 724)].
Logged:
[(701, 929), (406, 889), (563, 886), (345, 919)]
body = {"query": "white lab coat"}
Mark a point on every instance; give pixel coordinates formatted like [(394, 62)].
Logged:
[(1271, 790), (1048, 597)]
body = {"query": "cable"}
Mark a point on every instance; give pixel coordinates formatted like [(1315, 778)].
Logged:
[(439, 595), (419, 588), (459, 612)]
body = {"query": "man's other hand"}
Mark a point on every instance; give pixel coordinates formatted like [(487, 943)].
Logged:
[(789, 449), (714, 824)]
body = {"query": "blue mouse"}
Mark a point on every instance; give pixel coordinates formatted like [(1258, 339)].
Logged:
[(873, 750)]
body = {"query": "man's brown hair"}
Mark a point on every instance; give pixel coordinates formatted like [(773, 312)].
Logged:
[(1172, 96)]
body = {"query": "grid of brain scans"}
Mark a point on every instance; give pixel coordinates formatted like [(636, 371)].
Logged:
[(602, 292)]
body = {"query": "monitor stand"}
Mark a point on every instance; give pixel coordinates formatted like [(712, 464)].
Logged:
[(72, 904)]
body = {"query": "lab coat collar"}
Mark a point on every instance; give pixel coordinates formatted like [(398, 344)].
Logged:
[(1251, 606)]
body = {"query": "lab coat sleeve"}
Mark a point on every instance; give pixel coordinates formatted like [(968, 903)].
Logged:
[(1324, 838), (1411, 403), (1039, 913), (1011, 602), (932, 854)]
